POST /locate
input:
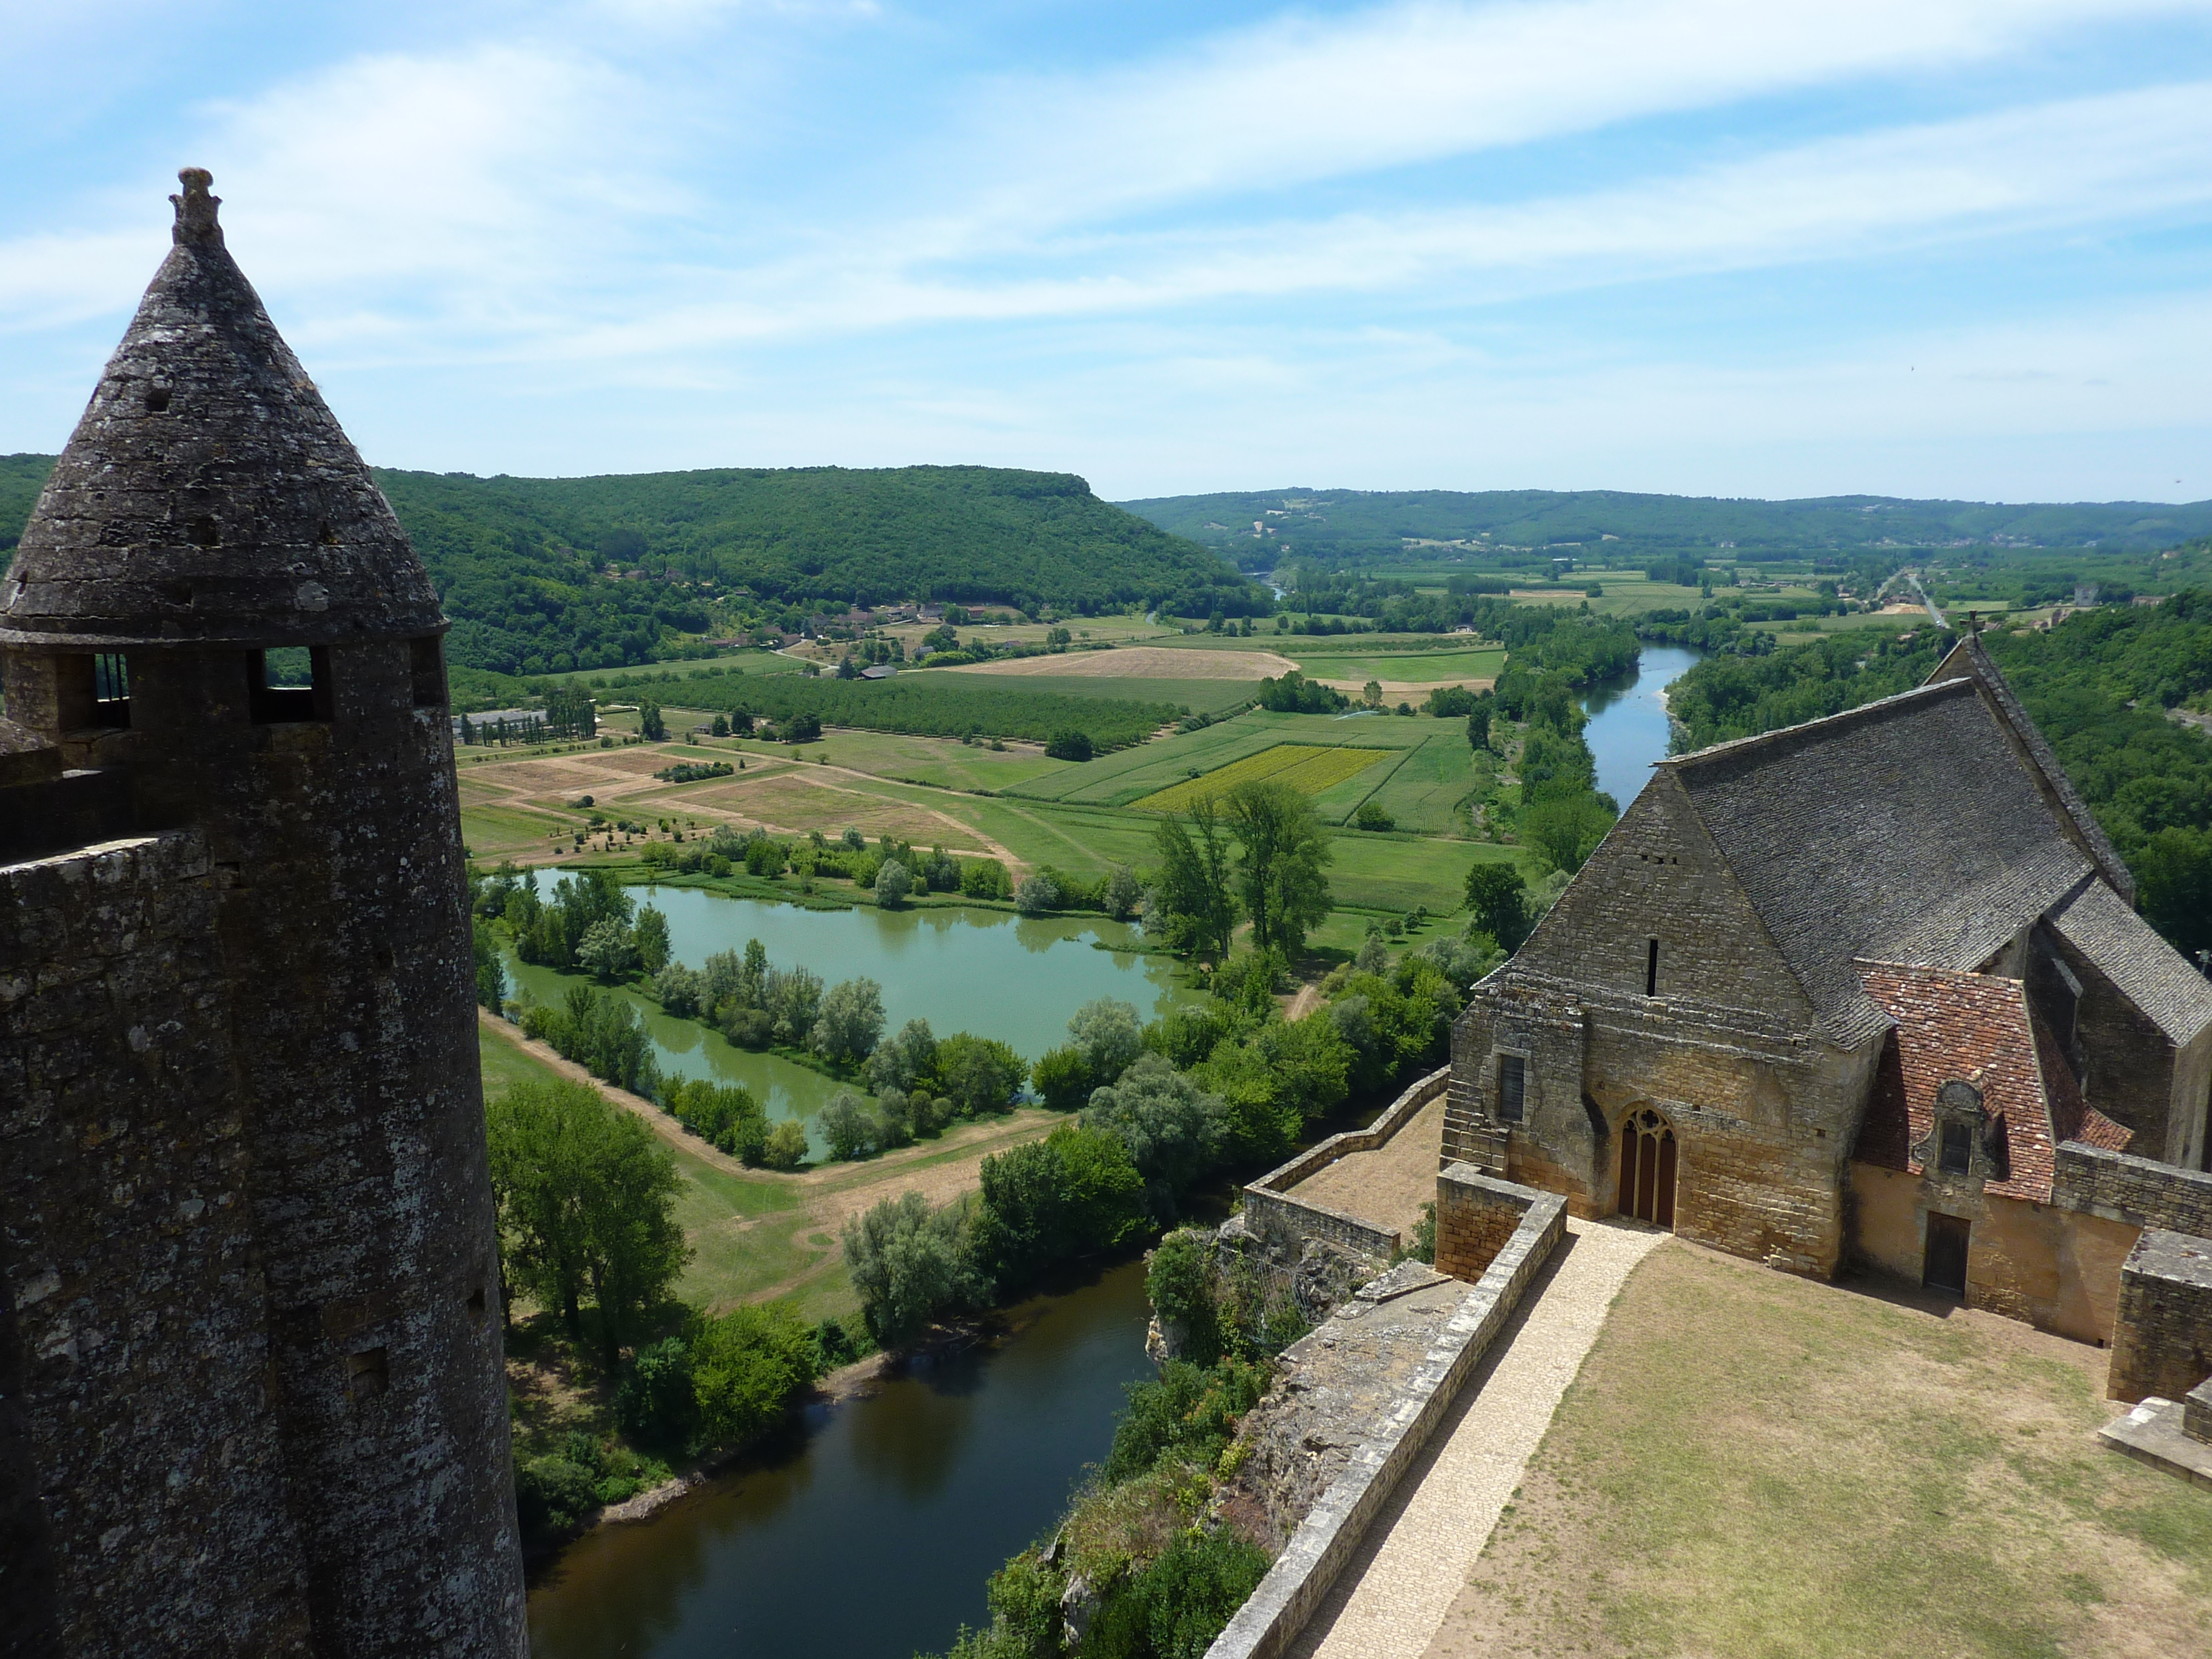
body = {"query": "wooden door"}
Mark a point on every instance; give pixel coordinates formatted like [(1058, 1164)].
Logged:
[(1945, 1266), (1648, 1168)]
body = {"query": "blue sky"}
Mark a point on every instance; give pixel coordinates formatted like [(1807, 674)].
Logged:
[(1927, 247)]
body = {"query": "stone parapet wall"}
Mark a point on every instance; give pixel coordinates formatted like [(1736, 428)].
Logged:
[(1477, 1215), (1280, 1221), (141, 1474), (2162, 1341), (1271, 1619), (2140, 1190), (2197, 1412)]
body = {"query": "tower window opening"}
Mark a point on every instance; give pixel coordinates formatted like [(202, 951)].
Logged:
[(1651, 968), (427, 662), (368, 1373), (291, 683), (110, 689), (157, 399), (1512, 1087), (1958, 1149)]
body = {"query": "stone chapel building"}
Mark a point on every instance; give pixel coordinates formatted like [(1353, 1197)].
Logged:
[(1871, 989)]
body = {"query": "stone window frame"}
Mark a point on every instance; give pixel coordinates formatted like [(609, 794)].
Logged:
[(1960, 1105), (1500, 1053)]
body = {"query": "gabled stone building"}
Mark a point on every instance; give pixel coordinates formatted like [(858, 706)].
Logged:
[(1841, 992)]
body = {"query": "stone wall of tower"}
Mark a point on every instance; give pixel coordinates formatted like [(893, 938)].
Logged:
[(342, 922), (149, 1511)]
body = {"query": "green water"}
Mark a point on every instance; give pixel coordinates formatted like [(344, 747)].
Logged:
[(1014, 978)]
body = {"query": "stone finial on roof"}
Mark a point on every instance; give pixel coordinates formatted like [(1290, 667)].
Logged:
[(196, 220)]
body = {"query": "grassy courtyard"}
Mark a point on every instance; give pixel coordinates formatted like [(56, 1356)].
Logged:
[(1755, 1466)]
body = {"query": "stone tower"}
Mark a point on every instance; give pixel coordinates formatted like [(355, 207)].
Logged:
[(251, 1398)]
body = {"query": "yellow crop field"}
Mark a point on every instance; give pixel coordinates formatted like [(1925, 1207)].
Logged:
[(1306, 769)]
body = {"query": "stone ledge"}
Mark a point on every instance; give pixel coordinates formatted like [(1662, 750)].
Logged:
[(1325, 1540), (2151, 1433)]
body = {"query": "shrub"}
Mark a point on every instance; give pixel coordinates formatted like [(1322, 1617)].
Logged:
[(1120, 893), (1037, 894), (985, 878), (1179, 1281), (1176, 1607), (678, 989), (655, 1403), (1062, 1079), (553, 1497), (747, 1367), (751, 1027), (1192, 1409), (1370, 815), (1069, 746)]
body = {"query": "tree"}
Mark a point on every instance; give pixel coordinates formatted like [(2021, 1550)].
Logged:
[(1109, 1036), (1370, 694), (892, 883), (1565, 829), (1171, 1127), (846, 1125), (905, 1061), (490, 971), (850, 1021), (1370, 815), (1478, 722), (1074, 1191), (587, 1199), (1062, 1079), (1193, 891), (679, 991), (1282, 853), (605, 949), (1037, 894), (979, 1074), (803, 727), (1069, 745), (907, 1265), (1497, 903), (785, 1147), (1120, 893), (637, 1250), (721, 727), (650, 726), (649, 939)]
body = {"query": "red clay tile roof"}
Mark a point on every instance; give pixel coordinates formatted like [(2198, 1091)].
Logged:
[(1978, 1029)]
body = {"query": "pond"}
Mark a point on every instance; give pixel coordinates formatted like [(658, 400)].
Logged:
[(1628, 728), (870, 1535), (1014, 978)]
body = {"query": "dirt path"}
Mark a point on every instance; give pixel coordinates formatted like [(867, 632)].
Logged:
[(1396, 1589), (940, 1170)]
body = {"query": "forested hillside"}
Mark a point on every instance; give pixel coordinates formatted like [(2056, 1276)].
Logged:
[(1325, 525), (540, 575), (2100, 685)]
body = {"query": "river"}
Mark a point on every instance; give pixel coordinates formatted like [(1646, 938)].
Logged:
[(1628, 728), (869, 1532)]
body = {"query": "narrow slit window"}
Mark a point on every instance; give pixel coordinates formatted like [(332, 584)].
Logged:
[(1512, 1087), (427, 662), (290, 684), (1651, 968), (110, 689), (1958, 1149)]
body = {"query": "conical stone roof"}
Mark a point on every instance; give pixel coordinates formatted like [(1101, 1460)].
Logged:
[(208, 496)]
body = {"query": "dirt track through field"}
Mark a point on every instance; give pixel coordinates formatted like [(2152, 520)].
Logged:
[(1145, 662), (835, 1193)]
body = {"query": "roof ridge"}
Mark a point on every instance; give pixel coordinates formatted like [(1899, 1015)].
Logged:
[(1805, 730)]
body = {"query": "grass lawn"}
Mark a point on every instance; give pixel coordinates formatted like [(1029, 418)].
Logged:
[(1756, 1465)]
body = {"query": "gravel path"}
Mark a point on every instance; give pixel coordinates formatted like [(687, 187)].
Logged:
[(1394, 1595), (1388, 1186)]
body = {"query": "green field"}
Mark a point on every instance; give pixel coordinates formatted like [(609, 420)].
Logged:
[(1309, 770), (1418, 667)]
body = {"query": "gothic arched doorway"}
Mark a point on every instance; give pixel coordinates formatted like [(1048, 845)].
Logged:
[(1647, 1167)]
